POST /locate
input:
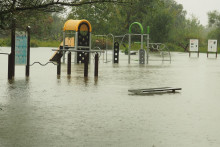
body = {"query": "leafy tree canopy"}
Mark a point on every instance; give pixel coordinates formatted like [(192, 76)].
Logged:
[(20, 8)]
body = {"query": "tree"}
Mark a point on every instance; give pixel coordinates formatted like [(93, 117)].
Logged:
[(112, 18), (188, 29), (19, 8), (214, 24)]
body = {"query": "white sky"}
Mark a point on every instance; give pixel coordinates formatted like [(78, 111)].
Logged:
[(200, 8)]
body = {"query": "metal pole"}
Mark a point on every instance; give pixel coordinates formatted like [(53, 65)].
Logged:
[(96, 64), (58, 66), (113, 49), (69, 64), (86, 65), (106, 47), (10, 67), (90, 45), (28, 52), (76, 46), (142, 41), (13, 48), (64, 42), (129, 48), (148, 40)]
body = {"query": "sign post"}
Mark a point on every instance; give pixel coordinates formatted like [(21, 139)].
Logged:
[(21, 48), (28, 52), (11, 57), (212, 47), (194, 46)]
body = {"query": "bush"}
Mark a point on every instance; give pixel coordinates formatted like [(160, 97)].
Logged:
[(34, 43), (5, 42), (173, 47)]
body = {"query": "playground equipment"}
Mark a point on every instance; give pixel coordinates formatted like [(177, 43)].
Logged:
[(69, 42), (104, 46), (81, 29), (212, 47), (116, 53), (141, 50), (80, 45), (78, 42), (149, 48), (160, 48)]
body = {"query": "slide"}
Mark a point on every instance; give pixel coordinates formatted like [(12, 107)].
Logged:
[(69, 42)]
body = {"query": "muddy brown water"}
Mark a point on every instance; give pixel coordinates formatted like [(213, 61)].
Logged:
[(44, 111)]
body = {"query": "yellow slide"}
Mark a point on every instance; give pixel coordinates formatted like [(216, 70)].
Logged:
[(69, 42)]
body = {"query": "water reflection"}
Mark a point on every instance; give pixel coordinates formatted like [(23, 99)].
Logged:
[(17, 114), (98, 111)]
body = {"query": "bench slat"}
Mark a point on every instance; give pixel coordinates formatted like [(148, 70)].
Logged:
[(152, 90)]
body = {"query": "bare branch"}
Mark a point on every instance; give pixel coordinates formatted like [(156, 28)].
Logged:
[(55, 3)]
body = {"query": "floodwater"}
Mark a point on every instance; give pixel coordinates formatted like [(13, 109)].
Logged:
[(44, 111)]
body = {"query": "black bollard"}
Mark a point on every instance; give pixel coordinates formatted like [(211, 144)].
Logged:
[(116, 53), (10, 75), (13, 48), (28, 52), (58, 66), (69, 64), (96, 64), (86, 62)]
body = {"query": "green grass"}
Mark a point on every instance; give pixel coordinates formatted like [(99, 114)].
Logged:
[(5, 42), (134, 46), (34, 43), (50, 43)]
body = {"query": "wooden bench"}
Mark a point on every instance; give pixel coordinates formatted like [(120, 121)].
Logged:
[(154, 90)]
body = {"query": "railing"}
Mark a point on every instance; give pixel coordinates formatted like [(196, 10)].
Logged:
[(162, 49)]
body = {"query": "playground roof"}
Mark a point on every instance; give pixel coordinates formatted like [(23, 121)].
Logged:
[(73, 25)]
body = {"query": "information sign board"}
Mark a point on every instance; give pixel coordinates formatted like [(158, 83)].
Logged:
[(212, 46), (194, 45), (21, 48)]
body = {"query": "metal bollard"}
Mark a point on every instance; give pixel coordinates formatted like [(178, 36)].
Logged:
[(69, 64), (58, 66), (141, 56), (116, 53), (96, 64), (10, 75), (28, 53), (86, 61), (13, 48)]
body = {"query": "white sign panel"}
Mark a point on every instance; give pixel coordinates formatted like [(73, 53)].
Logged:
[(194, 45), (20, 48), (212, 46)]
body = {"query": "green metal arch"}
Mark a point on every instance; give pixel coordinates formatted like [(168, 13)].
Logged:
[(140, 25)]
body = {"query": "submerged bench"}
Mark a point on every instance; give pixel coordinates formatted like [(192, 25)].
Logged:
[(154, 90)]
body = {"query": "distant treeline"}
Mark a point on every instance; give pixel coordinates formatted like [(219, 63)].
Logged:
[(166, 18)]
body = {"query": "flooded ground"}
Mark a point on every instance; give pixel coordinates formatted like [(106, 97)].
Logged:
[(44, 111)]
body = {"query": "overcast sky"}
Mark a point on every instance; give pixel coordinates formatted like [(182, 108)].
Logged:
[(199, 8)]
